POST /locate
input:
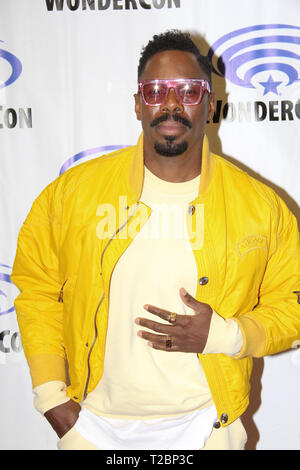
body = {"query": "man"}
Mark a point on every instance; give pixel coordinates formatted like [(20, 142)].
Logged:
[(157, 272)]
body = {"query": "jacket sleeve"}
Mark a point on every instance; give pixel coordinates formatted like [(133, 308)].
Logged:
[(274, 324), (36, 274)]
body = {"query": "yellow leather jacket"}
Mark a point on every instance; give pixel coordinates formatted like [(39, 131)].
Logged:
[(249, 255)]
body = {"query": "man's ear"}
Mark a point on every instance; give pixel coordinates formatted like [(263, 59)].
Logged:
[(137, 106)]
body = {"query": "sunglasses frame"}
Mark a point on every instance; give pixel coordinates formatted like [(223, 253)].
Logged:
[(173, 83)]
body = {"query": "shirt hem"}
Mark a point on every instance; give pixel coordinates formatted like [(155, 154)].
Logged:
[(208, 404)]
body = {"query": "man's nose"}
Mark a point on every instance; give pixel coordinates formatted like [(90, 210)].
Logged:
[(172, 104)]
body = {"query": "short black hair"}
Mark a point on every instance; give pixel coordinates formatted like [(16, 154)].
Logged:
[(173, 40)]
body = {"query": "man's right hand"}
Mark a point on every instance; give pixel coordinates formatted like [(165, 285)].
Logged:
[(63, 417)]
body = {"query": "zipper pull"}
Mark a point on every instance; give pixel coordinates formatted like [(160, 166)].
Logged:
[(60, 298)]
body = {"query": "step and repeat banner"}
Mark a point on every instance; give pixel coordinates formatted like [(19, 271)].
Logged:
[(68, 72)]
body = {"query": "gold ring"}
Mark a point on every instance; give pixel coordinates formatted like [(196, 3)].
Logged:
[(172, 317)]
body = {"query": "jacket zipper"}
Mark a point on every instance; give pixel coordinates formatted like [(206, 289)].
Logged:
[(61, 294), (96, 313), (91, 348)]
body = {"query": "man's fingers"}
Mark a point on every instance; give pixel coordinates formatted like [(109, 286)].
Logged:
[(153, 338), (161, 342), (163, 347), (188, 298), (155, 326), (164, 314), (190, 301), (181, 320)]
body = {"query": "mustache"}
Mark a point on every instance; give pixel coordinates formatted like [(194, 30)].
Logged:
[(169, 117)]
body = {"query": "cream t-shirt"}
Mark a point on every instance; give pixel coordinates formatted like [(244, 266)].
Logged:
[(139, 381)]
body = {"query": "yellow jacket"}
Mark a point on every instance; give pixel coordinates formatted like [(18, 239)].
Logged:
[(249, 253)]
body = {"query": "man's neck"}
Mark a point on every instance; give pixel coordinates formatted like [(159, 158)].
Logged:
[(174, 169)]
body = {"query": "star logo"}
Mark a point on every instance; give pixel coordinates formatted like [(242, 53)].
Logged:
[(270, 86)]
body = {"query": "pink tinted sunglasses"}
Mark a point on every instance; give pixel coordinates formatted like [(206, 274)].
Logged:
[(189, 91)]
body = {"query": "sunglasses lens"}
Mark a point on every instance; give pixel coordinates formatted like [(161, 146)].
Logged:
[(189, 93), (154, 93)]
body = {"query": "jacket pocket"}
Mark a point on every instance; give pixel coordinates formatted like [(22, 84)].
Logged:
[(61, 292), (66, 297)]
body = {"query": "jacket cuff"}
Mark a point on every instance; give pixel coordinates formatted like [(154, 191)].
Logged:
[(49, 395), (254, 337), (46, 368), (224, 337)]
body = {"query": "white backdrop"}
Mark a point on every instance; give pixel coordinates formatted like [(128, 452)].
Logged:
[(67, 78)]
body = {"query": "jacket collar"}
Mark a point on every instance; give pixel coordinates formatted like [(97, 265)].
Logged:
[(136, 173)]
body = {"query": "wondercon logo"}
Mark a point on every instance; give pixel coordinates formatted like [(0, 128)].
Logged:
[(8, 291), (265, 57), (10, 68), (89, 153)]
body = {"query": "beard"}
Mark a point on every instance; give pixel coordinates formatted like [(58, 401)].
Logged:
[(170, 148)]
